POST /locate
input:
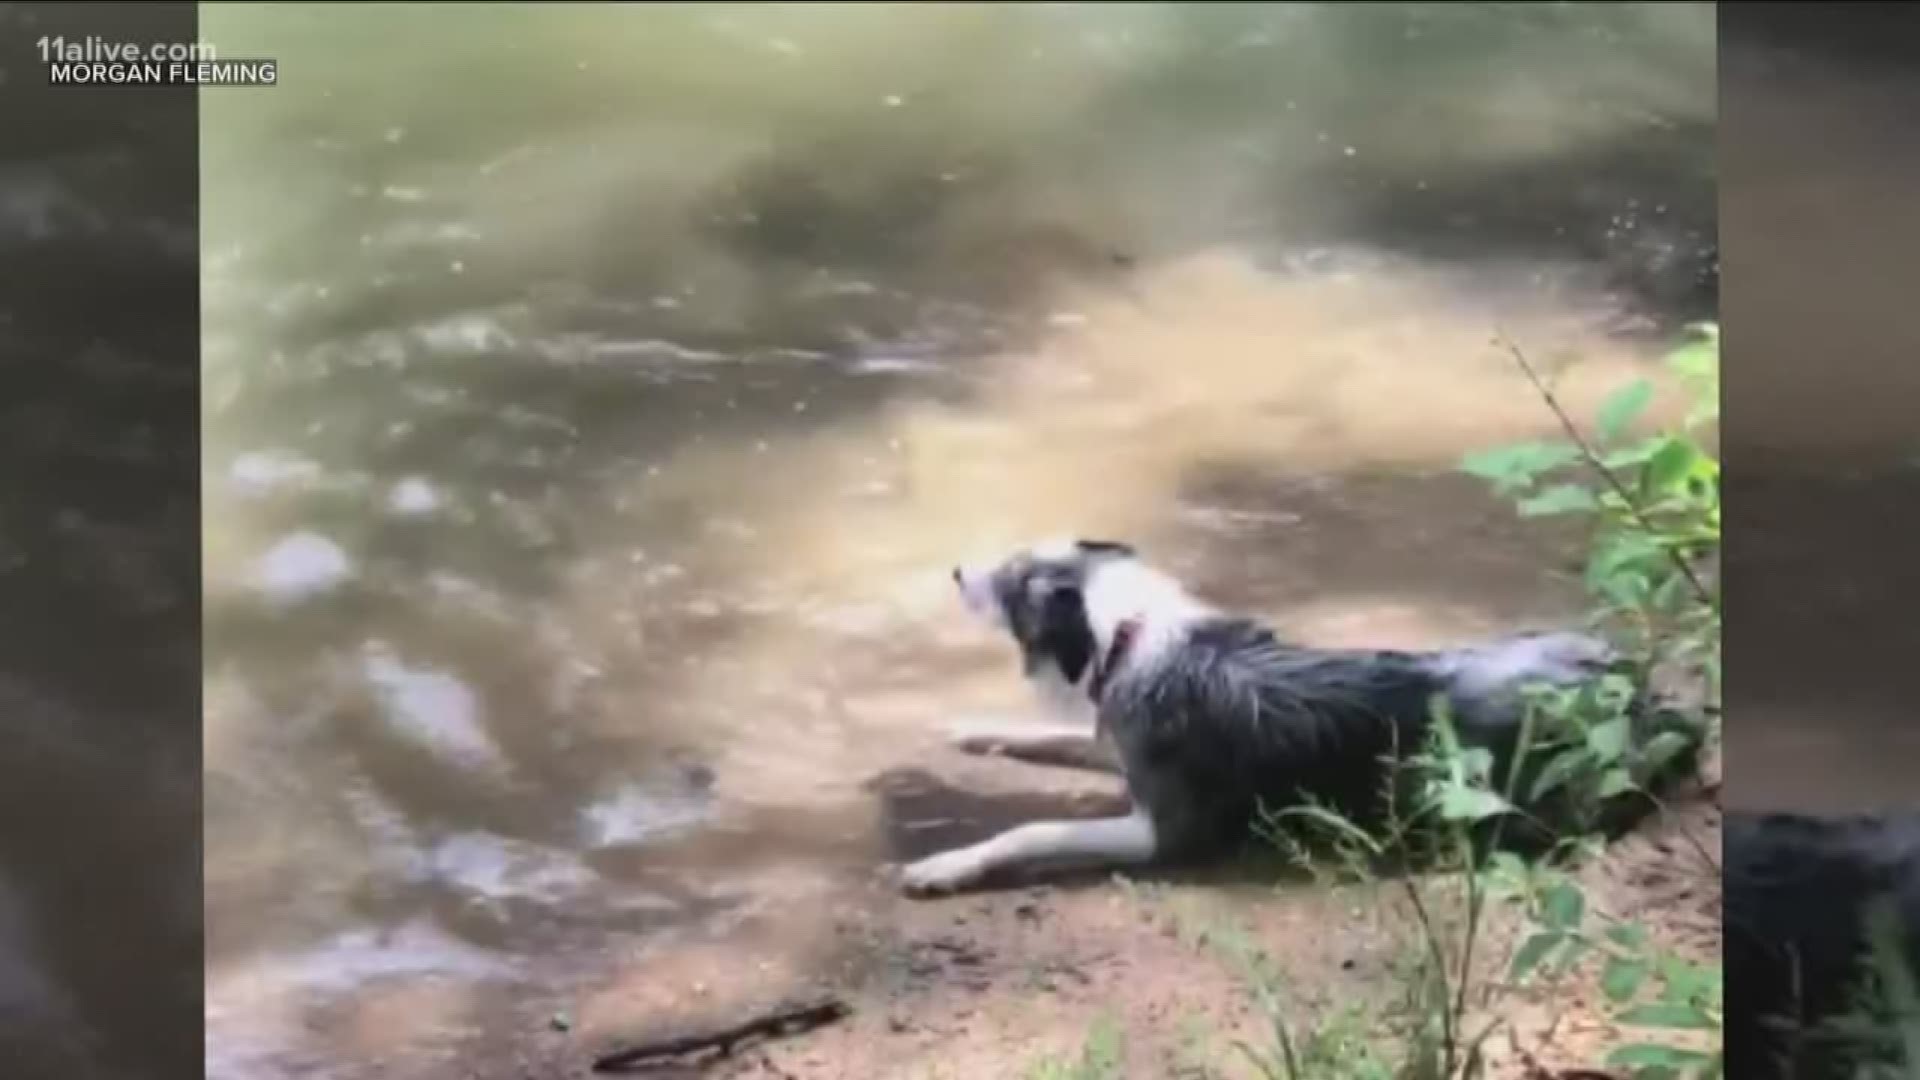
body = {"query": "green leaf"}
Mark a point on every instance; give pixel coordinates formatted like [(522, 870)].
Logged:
[(1559, 499), (1698, 361), (1476, 764), (1615, 691), (1628, 588), (1507, 868), (1627, 935), (1553, 702), (1515, 468), (1689, 984), (1651, 1059), (1563, 906), (1616, 782), (1614, 557), (1622, 979), (1560, 770), (1534, 951), (1668, 467), (1662, 749), (1667, 1015), (1623, 407), (1458, 802), (1673, 593), (1630, 456), (1706, 468), (1608, 741), (1577, 948)]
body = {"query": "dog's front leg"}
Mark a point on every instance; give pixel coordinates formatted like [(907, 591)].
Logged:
[(1070, 746), (1101, 843)]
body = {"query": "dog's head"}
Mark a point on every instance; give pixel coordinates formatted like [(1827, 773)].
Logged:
[(1039, 596)]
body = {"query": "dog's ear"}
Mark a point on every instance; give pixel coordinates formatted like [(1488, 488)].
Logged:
[(1105, 547), (1063, 634)]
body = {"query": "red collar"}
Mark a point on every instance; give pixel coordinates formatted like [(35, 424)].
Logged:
[(1122, 643)]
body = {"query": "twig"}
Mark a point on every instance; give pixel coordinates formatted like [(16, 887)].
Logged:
[(1593, 460), (788, 1020), (1686, 833), (1439, 959), (1699, 848), (1475, 898)]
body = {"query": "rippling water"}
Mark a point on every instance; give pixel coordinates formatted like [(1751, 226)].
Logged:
[(595, 396)]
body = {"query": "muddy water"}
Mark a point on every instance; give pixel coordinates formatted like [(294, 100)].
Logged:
[(595, 400)]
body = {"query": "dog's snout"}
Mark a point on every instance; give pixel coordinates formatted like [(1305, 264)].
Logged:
[(975, 586)]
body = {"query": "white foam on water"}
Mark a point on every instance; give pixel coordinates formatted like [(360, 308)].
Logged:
[(502, 869), (466, 334), (432, 708), (413, 497), (302, 566), (637, 815), (353, 958), (259, 472), (895, 365)]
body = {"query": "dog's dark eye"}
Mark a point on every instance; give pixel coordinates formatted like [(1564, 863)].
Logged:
[(1105, 547)]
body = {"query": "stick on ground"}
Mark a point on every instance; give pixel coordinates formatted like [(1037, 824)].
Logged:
[(786, 1020)]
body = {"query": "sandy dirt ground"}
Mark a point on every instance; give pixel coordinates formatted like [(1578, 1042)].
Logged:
[(1000, 984)]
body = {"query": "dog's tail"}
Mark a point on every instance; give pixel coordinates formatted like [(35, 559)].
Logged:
[(1662, 751)]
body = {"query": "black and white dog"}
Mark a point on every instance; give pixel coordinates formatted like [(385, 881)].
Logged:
[(1210, 718)]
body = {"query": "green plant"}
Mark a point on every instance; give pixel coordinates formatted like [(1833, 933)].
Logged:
[(1674, 1005), (1453, 796), (1101, 1058), (1654, 505), (1343, 1045), (1340, 1044), (1654, 502), (1880, 1035)]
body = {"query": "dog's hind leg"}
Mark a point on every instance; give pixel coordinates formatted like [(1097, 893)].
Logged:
[(1062, 745), (1100, 843)]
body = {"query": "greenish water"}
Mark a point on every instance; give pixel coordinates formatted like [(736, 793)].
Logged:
[(595, 395)]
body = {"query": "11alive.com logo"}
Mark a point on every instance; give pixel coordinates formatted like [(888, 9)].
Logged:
[(96, 61)]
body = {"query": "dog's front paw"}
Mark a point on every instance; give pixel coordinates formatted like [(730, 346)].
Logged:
[(985, 744), (984, 736), (949, 871)]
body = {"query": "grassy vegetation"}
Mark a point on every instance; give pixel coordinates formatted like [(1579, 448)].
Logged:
[(1653, 505), (1885, 1027)]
